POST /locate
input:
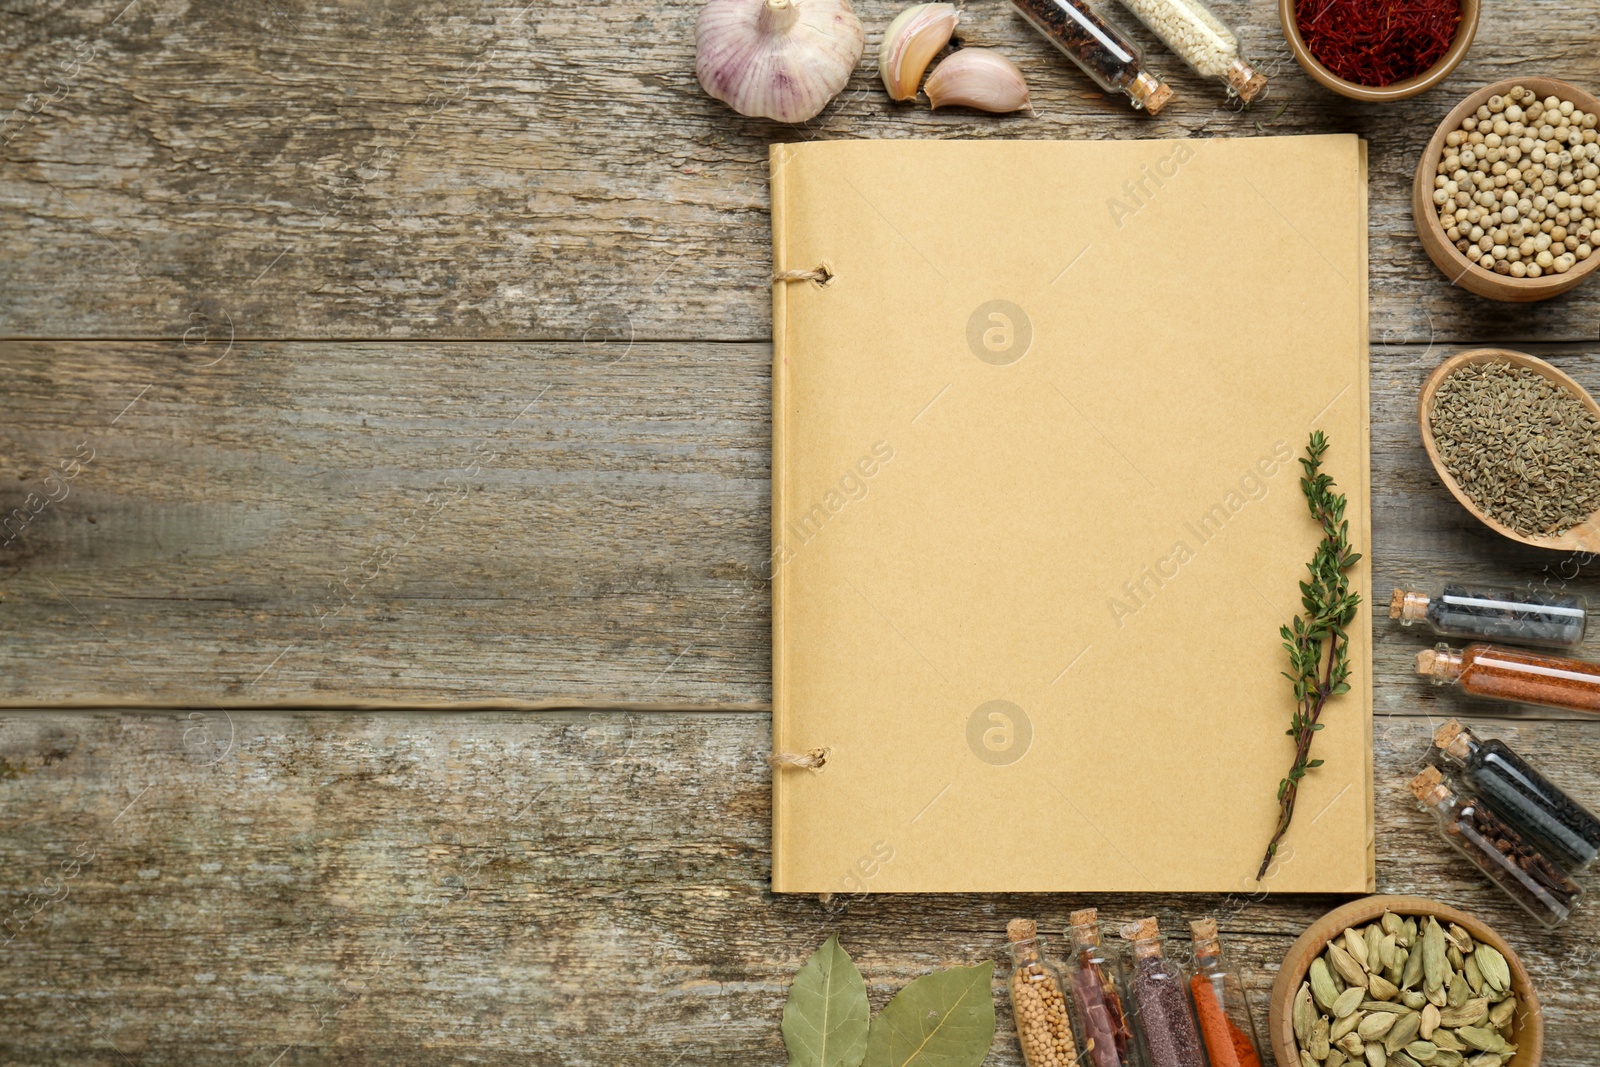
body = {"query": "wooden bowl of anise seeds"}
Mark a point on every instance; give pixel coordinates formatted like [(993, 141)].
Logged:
[(1578, 452), (1467, 272), (1524, 1023)]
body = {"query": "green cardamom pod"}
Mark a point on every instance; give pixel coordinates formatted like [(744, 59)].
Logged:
[(1459, 992), (1306, 1059), (1411, 973), (1402, 1059), (1461, 939), (1469, 1013), (1319, 1038), (1447, 1058), (1496, 971), (1322, 988), (1353, 1045), (1485, 1059), (1438, 996), (1402, 1033), (1433, 959), (1374, 960), (1350, 970), (1390, 922), (1376, 1025), (1481, 1039), (1344, 1025), (1448, 1041), (1348, 1001), (1430, 1022), (1502, 1013), (1336, 1058), (1408, 933), (1422, 1051), (1454, 956), (1355, 944), (1474, 974), (1376, 1057), (1303, 1014), (1381, 988), (1414, 1000), (1389, 952), (1394, 1006)]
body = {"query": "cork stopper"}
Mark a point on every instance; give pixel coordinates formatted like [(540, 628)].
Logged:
[(1243, 79), (1454, 739), (1085, 926), (1021, 930), (1141, 929), (1407, 606), (1442, 664), (1429, 788), (1149, 92), (1206, 940)]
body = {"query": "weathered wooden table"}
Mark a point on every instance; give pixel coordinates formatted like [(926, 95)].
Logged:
[(391, 683)]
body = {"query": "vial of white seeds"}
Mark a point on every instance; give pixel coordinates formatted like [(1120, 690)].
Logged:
[(1202, 40)]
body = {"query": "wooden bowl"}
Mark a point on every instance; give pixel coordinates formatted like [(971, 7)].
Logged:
[(1527, 1033), (1584, 537), (1457, 267), (1465, 29)]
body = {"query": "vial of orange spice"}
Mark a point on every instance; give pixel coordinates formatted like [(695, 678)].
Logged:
[(1219, 1003), (1043, 1028), (1515, 674)]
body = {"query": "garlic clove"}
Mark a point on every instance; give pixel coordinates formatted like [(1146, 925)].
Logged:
[(980, 78), (777, 59), (909, 44)]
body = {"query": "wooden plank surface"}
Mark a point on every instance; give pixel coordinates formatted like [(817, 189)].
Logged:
[(302, 523), (546, 888), (553, 171)]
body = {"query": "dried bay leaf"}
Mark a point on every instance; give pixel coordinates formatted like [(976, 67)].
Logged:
[(825, 1017), (944, 1019)]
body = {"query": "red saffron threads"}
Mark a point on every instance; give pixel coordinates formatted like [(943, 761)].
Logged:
[(1377, 42)]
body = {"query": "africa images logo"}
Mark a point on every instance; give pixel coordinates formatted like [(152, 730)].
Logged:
[(999, 332)]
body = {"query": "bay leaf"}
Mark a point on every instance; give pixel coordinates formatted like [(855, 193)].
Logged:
[(944, 1019), (825, 1017)]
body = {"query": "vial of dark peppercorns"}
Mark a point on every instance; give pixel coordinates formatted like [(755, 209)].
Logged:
[(1492, 613), (1566, 831), (1099, 47), (1511, 862)]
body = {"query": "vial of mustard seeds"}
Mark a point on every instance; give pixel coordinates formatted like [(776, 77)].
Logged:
[(1038, 1001), (1494, 613)]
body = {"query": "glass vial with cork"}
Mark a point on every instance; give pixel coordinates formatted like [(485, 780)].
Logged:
[(1100, 989), (1525, 874), (1515, 674), (1037, 1001), (1564, 829), (1220, 1007), (1198, 37), (1099, 47), (1493, 613), (1162, 1016)]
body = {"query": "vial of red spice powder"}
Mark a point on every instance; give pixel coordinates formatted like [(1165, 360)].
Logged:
[(1099, 47), (1512, 863), (1162, 1015), (1492, 613), (1219, 1003), (1038, 1002), (1565, 830), (1100, 991), (1515, 674)]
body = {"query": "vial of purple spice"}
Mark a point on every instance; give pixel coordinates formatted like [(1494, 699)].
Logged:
[(1491, 613), (1162, 1014), (1099, 47)]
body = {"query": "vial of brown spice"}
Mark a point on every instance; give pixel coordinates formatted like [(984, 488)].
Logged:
[(1522, 871), (1515, 674), (1099, 47), (1037, 1001), (1162, 1012)]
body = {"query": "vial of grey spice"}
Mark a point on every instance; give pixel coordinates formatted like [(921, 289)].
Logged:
[(1492, 613), (1201, 39), (1162, 1014), (1564, 829), (1038, 1002), (1512, 863), (1515, 674), (1099, 47)]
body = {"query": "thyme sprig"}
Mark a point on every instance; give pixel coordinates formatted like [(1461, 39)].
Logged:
[(1318, 645)]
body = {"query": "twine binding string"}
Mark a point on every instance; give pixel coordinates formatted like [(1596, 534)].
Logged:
[(821, 275), (813, 760)]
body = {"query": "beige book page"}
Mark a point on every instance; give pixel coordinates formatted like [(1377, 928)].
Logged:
[(1036, 514)]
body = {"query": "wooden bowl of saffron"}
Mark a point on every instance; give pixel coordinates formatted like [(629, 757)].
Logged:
[(1466, 28), (1527, 1030), (1456, 266)]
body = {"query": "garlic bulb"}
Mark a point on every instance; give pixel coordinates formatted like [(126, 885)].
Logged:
[(776, 59), (912, 40), (980, 78)]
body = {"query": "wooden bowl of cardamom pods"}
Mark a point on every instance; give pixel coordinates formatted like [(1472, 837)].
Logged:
[(1387, 970)]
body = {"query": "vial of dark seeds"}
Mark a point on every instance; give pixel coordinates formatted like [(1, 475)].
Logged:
[(1099, 47), (1567, 831), (1512, 863), (1522, 617), (1162, 1014)]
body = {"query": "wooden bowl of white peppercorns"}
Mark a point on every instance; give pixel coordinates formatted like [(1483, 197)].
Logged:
[(1506, 280)]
